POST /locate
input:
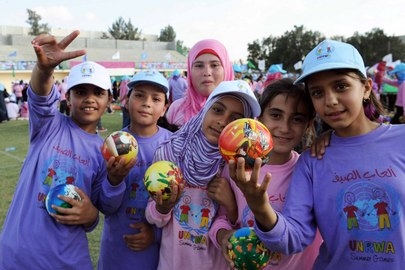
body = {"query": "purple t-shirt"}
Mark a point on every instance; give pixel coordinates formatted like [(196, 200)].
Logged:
[(114, 254), (355, 196), (60, 152)]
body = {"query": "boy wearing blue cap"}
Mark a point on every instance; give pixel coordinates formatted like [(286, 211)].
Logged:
[(63, 150), (128, 240), (354, 198)]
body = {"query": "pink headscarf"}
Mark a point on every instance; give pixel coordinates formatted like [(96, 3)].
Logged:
[(193, 100)]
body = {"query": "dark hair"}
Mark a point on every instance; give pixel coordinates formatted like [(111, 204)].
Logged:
[(287, 87), (373, 108)]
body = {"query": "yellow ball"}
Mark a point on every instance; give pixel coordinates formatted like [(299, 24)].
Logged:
[(158, 177)]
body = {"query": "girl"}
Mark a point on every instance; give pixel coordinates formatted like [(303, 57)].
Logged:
[(354, 198), (288, 114), (187, 216), (208, 65)]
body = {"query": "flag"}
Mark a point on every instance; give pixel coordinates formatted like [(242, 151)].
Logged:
[(12, 54), (85, 58), (116, 55), (251, 65), (262, 64), (144, 55), (298, 65), (387, 58)]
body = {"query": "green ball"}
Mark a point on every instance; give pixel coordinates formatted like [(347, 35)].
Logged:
[(248, 252)]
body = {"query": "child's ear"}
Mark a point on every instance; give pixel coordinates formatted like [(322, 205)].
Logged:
[(67, 96), (164, 110)]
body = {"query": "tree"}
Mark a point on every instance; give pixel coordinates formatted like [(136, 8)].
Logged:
[(293, 45), (36, 27), (121, 29), (374, 45), (131, 32), (181, 48), (288, 49), (167, 34)]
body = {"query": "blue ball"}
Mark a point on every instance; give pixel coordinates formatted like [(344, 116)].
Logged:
[(67, 190)]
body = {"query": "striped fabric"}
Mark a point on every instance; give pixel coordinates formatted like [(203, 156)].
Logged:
[(198, 160)]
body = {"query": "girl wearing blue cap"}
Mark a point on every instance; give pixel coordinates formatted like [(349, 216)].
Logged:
[(128, 241), (187, 216), (353, 197), (63, 150)]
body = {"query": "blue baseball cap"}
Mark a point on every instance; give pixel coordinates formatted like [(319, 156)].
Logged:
[(237, 68), (276, 68), (331, 54), (151, 76), (400, 68)]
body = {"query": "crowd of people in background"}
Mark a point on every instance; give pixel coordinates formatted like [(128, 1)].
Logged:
[(13, 104), (178, 116)]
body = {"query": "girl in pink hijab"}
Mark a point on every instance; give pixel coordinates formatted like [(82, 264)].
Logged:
[(208, 64)]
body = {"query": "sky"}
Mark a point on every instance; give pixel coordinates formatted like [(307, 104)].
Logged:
[(235, 23)]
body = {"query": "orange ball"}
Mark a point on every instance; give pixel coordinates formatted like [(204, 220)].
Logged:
[(247, 138), (120, 144)]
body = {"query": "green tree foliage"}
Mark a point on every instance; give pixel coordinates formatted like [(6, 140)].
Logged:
[(288, 49), (121, 29), (34, 20), (181, 48), (374, 45), (293, 45), (167, 34)]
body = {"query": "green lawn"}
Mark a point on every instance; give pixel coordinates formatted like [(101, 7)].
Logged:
[(15, 134)]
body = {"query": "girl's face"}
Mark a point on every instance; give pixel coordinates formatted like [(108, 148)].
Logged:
[(87, 104), (206, 73), (287, 119), (221, 113), (146, 104), (338, 100)]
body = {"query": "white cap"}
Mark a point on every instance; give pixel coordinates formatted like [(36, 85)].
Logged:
[(89, 73), (241, 89)]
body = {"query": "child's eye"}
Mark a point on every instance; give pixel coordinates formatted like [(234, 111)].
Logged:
[(341, 86), (157, 99), (315, 93), (299, 119), (216, 109), (275, 115), (100, 93)]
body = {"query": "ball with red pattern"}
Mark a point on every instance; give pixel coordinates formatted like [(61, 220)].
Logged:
[(120, 144), (247, 138)]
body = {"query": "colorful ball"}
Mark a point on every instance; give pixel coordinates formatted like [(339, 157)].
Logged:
[(247, 138), (158, 177), (120, 144), (67, 190), (248, 252)]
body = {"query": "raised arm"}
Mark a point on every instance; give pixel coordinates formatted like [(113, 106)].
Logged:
[(50, 54)]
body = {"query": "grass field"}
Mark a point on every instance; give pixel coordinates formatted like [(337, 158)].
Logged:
[(15, 134)]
